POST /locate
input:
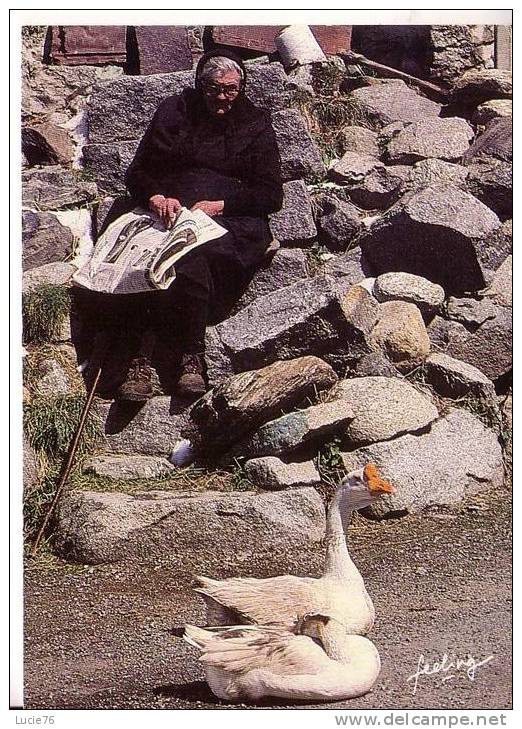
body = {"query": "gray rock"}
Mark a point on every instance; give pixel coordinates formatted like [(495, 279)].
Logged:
[(350, 267), (360, 140), (140, 96), (309, 317), (429, 172), (501, 288), (442, 333), (128, 466), (54, 380), (58, 274), (352, 168), (440, 233), (44, 239), (288, 266), (55, 188), (491, 110), (400, 334), (446, 139), (95, 528), (272, 474), (338, 222), (309, 427), (478, 85), (375, 364), (383, 407), (31, 471), (393, 101), (109, 163), (471, 312), (47, 144), (491, 181), (247, 400), (427, 296), (452, 378), (300, 156), (380, 188), (151, 431), (456, 458), (294, 223), (495, 141), (490, 347), (497, 247)]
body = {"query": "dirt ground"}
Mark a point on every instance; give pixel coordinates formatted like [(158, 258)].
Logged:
[(104, 637)]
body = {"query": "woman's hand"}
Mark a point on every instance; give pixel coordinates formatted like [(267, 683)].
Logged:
[(210, 207), (166, 207)]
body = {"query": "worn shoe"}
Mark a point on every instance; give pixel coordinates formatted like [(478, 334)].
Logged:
[(138, 383), (191, 383)]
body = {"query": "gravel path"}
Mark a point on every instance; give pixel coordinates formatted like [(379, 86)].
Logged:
[(102, 637)]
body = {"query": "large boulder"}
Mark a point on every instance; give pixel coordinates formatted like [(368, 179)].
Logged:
[(427, 296), (54, 188), (57, 274), (288, 266), (478, 85), (350, 267), (47, 144), (429, 172), (443, 332), (495, 141), (400, 334), (393, 101), (457, 457), (446, 139), (44, 239), (97, 527), (501, 288), (153, 430), (490, 348), (491, 181), (452, 378), (309, 317), (359, 139), (380, 188), (140, 96), (383, 408), (271, 473), (352, 168), (108, 163), (294, 431), (441, 233), (128, 466), (294, 223), (470, 312), (300, 156), (338, 222), (491, 110), (247, 400)]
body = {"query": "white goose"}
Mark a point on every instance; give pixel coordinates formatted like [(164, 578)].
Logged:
[(252, 662), (339, 594)]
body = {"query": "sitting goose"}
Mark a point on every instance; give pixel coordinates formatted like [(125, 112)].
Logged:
[(339, 594), (251, 662)]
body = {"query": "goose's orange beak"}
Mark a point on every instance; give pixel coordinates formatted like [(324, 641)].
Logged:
[(375, 482)]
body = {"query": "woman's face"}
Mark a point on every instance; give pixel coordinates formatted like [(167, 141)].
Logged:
[(220, 92)]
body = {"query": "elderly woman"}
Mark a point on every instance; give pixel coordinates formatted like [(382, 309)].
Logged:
[(208, 148)]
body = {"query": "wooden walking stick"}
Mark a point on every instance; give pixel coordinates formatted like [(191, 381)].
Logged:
[(100, 348)]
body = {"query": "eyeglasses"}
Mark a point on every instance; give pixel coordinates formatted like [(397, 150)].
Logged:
[(230, 90)]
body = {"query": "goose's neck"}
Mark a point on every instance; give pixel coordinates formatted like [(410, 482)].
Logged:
[(338, 561)]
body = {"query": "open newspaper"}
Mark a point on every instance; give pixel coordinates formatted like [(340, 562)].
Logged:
[(137, 253)]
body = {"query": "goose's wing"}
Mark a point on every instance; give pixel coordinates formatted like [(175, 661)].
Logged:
[(242, 649), (273, 600)]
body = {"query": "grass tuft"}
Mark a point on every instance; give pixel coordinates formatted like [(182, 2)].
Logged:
[(44, 310), (50, 424)]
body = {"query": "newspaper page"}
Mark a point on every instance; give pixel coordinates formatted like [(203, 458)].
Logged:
[(137, 253)]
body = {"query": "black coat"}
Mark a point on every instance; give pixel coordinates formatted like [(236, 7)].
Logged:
[(188, 154)]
